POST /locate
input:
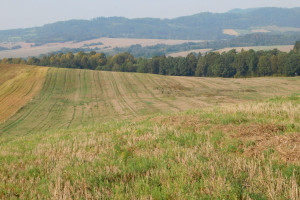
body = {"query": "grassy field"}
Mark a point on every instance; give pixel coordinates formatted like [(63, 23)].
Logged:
[(71, 98), (110, 135), (246, 151)]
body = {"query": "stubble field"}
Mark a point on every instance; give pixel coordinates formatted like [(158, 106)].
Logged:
[(109, 135)]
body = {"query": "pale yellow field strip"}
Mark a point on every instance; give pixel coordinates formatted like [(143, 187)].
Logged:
[(18, 85), (283, 48)]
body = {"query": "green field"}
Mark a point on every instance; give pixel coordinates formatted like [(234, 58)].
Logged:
[(110, 135), (72, 98)]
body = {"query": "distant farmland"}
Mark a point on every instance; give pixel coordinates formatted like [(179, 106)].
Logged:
[(30, 49), (185, 53), (283, 48)]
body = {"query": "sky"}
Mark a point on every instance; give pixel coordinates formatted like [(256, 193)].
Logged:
[(30, 13)]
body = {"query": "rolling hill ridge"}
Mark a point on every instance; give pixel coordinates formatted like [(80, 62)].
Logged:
[(54, 98), (202, 26)]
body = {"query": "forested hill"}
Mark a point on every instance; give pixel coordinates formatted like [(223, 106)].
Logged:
[(202, 26)]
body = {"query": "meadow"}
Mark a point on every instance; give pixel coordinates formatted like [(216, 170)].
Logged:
[(111, 135)]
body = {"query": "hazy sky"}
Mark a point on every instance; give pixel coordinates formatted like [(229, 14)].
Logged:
[(28, 13)]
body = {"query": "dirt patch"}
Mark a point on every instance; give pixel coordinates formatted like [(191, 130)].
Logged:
[(262, 138), (189, 121)]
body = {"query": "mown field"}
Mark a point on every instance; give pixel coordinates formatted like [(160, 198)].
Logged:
[(109, 135), (18, 85), (70, 98), (247, 151)]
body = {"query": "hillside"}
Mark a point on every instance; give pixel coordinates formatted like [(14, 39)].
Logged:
[(18, 85), (202, 26), (70, 98), (239, 141)]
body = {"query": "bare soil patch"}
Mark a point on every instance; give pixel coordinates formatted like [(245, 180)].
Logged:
[(266, 137)]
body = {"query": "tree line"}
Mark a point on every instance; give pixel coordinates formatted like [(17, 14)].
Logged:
[(213, 64)]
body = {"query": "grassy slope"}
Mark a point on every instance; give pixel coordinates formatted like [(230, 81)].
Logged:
[(226, 149), (18, 85), (247, 151), (72, 98)]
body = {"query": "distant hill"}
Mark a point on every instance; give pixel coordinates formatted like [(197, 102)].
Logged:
[(203, 26)]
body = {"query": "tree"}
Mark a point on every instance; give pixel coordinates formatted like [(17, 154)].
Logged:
[(191, 64), (274, 64), (297, 47), (292, 65), (240, 64), (264, 66)]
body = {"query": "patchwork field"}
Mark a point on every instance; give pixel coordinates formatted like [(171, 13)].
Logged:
[(81, 134)]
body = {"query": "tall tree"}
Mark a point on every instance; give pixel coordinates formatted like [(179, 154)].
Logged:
[(264, 66)]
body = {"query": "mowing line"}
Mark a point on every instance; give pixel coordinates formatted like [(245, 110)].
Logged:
[(130, 86), (120, 96), (151, 93)]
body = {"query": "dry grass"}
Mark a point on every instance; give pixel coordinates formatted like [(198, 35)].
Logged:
[(236, 143), (211, 153), (18, 85)]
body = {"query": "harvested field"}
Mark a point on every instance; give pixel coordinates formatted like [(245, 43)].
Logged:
[(230, 32), (218, 152), (18, 85), (111, 135), (72, 98)]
